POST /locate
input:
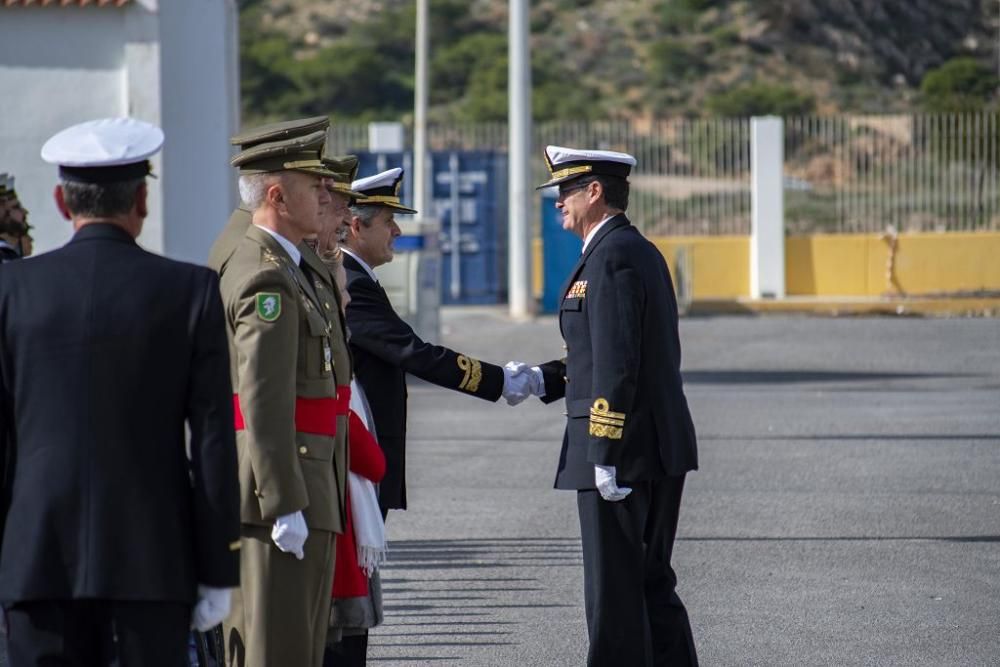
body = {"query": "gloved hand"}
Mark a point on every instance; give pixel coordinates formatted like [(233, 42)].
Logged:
[(290, 533), (604, 478), (211, 608), (516, 382)]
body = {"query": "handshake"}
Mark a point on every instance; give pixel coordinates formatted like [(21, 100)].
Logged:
[(521, 381)]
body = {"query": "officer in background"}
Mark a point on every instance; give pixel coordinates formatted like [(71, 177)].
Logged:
[(629, 438), (111, 532), (290, 417), (15, 232), (386, 348)]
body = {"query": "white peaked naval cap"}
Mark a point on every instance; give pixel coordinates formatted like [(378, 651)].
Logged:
[(382, 189), (104, 150), (568, 163)]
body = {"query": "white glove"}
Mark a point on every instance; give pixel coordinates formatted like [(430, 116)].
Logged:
[(516, 382), (537, 381), (604, 478), (290, 533), (211, 608)]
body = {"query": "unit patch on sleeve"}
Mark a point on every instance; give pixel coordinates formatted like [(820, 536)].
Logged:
[(268, 306), (578, 290)]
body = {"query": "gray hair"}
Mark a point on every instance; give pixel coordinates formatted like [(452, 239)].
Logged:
[(253, 188), (366, 213), (100, 200)]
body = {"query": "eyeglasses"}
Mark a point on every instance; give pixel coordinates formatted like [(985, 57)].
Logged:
[(565, 192)]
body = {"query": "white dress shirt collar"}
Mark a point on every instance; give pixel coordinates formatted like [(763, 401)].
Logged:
[(363, 263), (593, 232), (289, 247)]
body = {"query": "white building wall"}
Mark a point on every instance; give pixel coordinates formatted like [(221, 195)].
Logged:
[(172, 63), (52, 77)]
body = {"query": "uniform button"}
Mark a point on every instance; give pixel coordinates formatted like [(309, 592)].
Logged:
[(565, 347), (327, 304), (303, 450), (565, 379), (565, 414), (257, 493)]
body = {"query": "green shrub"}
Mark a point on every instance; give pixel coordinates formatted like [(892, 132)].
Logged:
[(761, 99), (961, 84)]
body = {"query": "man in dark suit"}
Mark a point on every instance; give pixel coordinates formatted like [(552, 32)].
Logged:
[(386, 348), (629, 437), (117, 535)]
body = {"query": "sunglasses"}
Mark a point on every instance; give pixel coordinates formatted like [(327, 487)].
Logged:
[(565, 192)]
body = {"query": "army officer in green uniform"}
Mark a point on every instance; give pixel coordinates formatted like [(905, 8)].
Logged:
[(287, 360)]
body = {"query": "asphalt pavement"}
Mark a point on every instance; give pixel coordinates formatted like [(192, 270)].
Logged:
[(847, 509)]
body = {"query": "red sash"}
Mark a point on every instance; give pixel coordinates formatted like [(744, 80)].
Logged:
[(312, 415)]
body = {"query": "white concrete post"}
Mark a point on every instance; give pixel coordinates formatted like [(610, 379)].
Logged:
[(141, 95), (421, 182), (199, 103), (522, 303), (767, 202)]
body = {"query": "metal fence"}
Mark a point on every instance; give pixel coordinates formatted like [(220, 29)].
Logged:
[(842, 173), (908, 172)]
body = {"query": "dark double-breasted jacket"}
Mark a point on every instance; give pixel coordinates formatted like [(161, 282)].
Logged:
[(625, 403), (108, 353), (385, 349)]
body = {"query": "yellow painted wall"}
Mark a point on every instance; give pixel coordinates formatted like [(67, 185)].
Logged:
[(718, 267), (926, 263), (825, 265)]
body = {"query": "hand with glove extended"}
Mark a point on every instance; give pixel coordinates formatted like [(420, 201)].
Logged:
[(604, 479), (290, 533), (211, 608), (521, 381)]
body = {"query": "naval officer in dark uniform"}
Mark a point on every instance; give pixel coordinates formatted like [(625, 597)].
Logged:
[(113, 527), (629, 437), (386, 348)]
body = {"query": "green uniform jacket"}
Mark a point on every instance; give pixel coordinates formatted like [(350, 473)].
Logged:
[(286, 342), (231, 236)]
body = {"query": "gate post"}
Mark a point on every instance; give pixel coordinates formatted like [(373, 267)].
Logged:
[(767, 208)]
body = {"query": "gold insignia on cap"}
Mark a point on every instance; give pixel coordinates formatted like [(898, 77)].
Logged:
[(473, 373), (235, 546), (578, 290), (604, 423), (569, 171)]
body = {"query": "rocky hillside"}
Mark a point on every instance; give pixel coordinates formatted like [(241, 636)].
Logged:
[(609, 58)]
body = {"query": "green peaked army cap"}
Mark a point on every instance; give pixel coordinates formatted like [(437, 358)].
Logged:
[(345, 170), (285, 129), (295, 154)]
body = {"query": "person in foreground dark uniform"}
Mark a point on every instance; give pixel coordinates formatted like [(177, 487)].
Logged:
[(386, 348), (629, 437), (117, 535), (15, 232)]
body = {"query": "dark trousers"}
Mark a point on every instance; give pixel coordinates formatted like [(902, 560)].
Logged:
[(350, 651), (88, 633), (634, 616)]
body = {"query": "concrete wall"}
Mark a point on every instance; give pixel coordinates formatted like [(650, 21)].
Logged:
[(837, 265), (51, 77), (171, 63), (925, 263)]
